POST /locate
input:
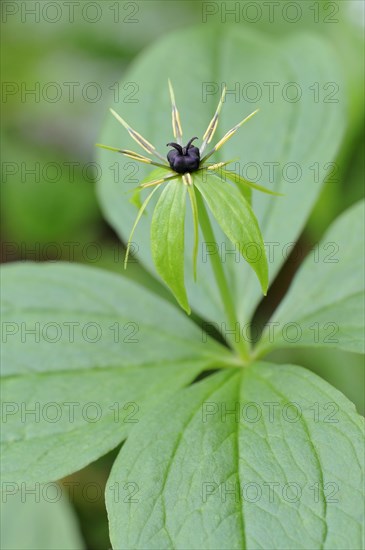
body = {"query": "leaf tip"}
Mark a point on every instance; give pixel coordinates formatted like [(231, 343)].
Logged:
[(265, 285), (187, 309), (182, 301)]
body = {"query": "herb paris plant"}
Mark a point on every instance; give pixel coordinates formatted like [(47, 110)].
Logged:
[(192, 171)]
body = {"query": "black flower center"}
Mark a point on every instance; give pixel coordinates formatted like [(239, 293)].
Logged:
[(184, 159)]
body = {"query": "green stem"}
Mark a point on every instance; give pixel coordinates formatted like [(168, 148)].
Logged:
[(222, 284)]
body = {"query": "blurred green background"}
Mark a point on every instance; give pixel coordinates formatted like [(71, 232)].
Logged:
[(60, 65)]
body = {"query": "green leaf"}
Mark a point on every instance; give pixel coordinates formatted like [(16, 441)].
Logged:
[(56, 423), (83, 350), (237, 221), (259, 458), (195, 213), (37, 517), (325, 304), (64, 294), (167, 239), (304, 132)]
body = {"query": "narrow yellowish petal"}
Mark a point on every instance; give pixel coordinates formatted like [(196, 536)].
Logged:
[(146, 145), (141, 158), (133, 155), (228, 135), (160, 180), (210, 131), (176, 124), (139, 215), (194, 208), (137, 156), (217, 165)]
